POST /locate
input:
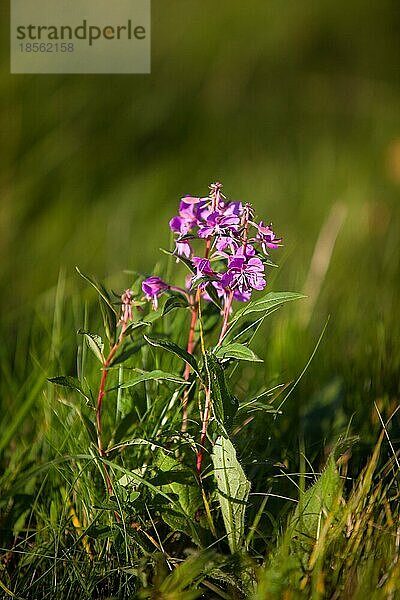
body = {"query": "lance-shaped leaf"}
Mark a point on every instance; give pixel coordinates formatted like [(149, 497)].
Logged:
[(319, 503), (175, 349), (266, 303), (100, 289), (188, 263), (109, 320), (176, 301), (212, 292), (71, 383), (314, 504), (233, 490), (154, 376), (95, 343), (224, 403), (238, 351), (133, 326), (184, 575)]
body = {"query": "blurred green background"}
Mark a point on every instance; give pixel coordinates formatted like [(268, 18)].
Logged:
[(294, 106)]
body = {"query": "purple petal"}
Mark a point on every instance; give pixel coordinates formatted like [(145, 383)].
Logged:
[(183, 248), (203, 266), (241, 296), (256, 263), (205, 232), (153, 286), (175, 224), (191, 199)]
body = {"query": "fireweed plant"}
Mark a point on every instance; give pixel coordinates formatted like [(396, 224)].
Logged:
[(226, 251), (235, 251)]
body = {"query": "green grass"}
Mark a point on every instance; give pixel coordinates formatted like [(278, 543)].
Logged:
[(61, 534)]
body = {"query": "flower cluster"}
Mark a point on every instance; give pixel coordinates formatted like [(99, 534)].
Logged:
[(235, 251)]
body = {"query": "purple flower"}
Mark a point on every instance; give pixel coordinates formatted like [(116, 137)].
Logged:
[(267, 237), (190, 212), (244, 274), (203, 269), (241, 296), (233, 208), (235, 248), (218, 224), (153, 287), (203, 266), (185, 221), (224, 242), (223, 291), (183, 248), (192, 199), (247, 250)]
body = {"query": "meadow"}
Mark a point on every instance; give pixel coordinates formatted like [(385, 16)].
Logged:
[(296, 111)]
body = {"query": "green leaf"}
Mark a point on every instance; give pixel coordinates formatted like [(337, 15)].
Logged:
[(154, 315), (224, 403), (266, 303), (175, 349), (99, 533), (315, 503), (138, 478), (128, 483), (173, 302), (100, 289), (238, 351), (109, 320), (182, 483), (72, 383), (233, 490), (210, 316), (212, 292), (129, 351), (291, 557), (154, 376), (184, 575), (95, 343), (133, 326), (135, 442), (251, 407), (90, 428), (188, 263)]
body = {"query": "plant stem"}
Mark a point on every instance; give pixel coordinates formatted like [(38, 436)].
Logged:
[(227, 309), (187, 368), (100, 397), (206, 417), (190, 345)]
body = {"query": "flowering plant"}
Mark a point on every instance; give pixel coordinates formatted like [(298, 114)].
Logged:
[(226, 251), (235, 253)]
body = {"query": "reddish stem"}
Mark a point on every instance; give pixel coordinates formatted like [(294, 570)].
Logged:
[(227, 309), (190, 345), (207, 407), (100, 396)]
